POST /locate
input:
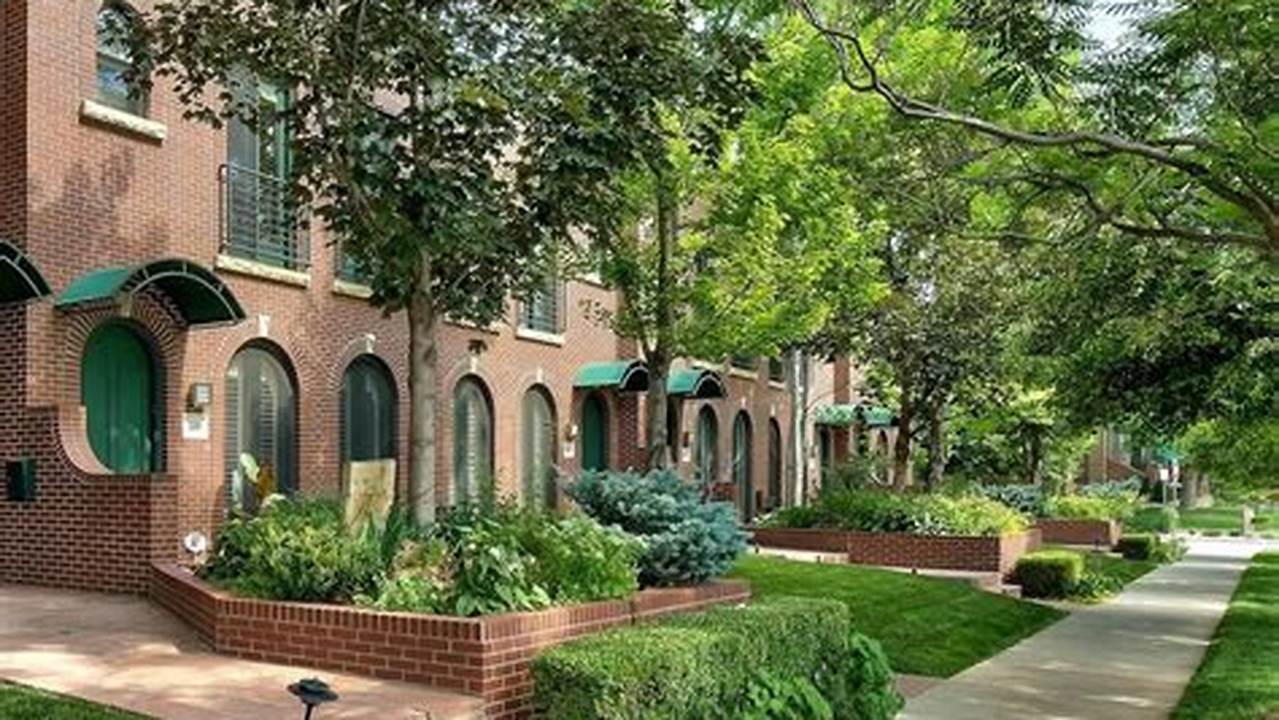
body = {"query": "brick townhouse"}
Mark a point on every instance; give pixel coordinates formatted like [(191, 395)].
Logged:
[(165, 324)]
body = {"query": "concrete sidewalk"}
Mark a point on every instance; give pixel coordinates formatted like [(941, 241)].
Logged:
[(1127, 659), (122, 651)]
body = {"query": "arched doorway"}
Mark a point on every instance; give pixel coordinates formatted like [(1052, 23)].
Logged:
[(537, 461), (118, 389), (774, 465), (706, 450), (472, 440), (743, 447), (261, 426), (594, 433), (368, 428)]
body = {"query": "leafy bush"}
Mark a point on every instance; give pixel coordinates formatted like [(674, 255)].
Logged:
[(771, 698), (871, 511), (1095, 586), (1137, 546), (686, 541), (297, 550), (706, 667), (1025, 499), (1169, 550), (795, 516), (578, 560), (1154, 519), (1085, 507), (1114, 489), (1049, 573)]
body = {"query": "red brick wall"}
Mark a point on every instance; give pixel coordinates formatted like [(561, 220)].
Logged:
[(1080, 532), (941, 552), (488, 657)]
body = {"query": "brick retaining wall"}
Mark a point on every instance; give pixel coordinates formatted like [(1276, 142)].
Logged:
[(941, 552), (488, 657), (1081, 532)]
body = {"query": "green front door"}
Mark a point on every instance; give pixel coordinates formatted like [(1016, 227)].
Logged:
[(594, 434), (117, 389)]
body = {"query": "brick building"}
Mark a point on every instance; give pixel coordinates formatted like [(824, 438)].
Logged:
[(165, 326)]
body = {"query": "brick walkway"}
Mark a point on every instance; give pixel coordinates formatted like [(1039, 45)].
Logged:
[(1127, 659), (121, 651)]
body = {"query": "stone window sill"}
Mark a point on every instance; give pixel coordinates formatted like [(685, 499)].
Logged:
[(120, 120), (743, 373), (242, 266), (350, 289), (538, 336), (777, 384)]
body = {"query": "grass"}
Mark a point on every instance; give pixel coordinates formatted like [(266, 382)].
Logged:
[(927, 626), (19, 702), (1226, 519), (1239, 677)]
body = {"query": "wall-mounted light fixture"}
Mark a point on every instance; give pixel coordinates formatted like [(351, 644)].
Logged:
[(200, 396)]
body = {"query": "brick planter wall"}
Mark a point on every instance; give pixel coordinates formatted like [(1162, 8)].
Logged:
[(1081, 532), (488, 657), (940, 552)]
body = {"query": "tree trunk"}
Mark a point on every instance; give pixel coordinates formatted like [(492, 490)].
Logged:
[(658, 407), (799, 424), (936, 445), (1189, 488), (422, 397), (901, 448), (1034, 456)]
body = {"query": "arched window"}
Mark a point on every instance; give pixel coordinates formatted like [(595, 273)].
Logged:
[(774, 464), (368, 411), (119, 392), (261, 426), (472, 440), (706, 451), (114, 60), (742, 450), (594, 433), (537, 461)]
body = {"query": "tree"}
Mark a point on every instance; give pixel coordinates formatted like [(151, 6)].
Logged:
[(415, 134), (656, 83), (1204, 174)]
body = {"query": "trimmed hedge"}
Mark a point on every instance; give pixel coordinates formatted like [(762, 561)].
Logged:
[(703, 666), (1049, 573), (1137, 546)]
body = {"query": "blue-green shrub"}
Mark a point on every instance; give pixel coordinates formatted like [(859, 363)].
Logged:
[(686, 540), (1026, 499), (705, 666)]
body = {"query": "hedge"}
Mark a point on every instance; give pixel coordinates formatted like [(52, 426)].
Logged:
[(1137, 546), (1049, 573), (701, 666)]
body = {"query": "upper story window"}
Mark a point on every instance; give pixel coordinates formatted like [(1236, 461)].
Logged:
[(776, 370), (543, 310), (260, 218), (115, 60), (744, 362)]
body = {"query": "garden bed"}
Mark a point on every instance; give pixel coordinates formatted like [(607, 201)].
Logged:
[(994, 553), (1063, 531), (483, 656)]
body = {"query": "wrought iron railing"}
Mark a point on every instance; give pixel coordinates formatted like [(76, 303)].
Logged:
[(260, 220)]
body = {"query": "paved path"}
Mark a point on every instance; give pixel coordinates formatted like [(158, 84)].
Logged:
[(122, 651), (1127, 659)]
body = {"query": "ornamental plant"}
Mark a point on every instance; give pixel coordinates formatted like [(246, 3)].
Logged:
[(878, 511)]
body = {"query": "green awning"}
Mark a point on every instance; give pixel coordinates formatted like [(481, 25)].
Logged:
[(622, 375), (696, 384), (848, 415), (19, 278), (198, 294), (1167, 455)]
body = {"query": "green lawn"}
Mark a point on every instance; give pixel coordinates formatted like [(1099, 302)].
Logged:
[(1226, 519), (18, 702), (927, 626), (1239, 677)]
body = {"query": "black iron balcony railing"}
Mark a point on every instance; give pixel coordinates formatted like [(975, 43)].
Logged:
[(260, 220)]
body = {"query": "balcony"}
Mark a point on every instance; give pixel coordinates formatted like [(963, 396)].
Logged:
[(259, 220)]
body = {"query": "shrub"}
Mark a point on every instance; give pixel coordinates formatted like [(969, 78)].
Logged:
[(1154, 519), (1114, 489), (686, 541), (1095, 586), (706, 666), (1169, 550), (579, 560), (297, 550), (1025, 499), (796, 516), (871, 511), (1137, 546), (771, 698), (1090, 507), (1049, 573)]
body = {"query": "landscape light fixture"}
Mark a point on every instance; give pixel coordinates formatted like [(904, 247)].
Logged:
[(312, 692)]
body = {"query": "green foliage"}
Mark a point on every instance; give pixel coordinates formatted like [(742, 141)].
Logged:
[(1049, 573), (1094, 586), (1140, 546), (686, 540), (18, 702), (1096, 507), (1154, 519), (578, 560), (295, 550), (1025, 499), (877, 511), (708, 665)]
